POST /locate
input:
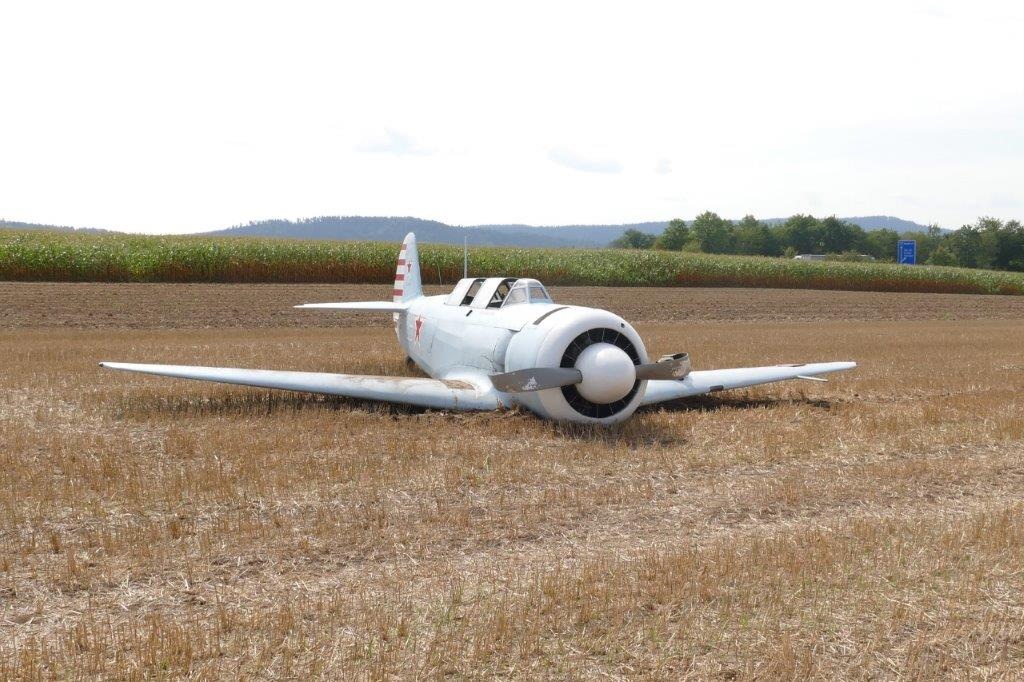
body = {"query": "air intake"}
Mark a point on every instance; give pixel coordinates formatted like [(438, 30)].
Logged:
[(572, 353)]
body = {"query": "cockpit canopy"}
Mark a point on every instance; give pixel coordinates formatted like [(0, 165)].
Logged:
[(497, 292)]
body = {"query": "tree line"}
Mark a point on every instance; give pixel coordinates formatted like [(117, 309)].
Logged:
[(988, 243)]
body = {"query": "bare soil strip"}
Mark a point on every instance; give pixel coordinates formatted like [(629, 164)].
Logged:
[(188, 306)]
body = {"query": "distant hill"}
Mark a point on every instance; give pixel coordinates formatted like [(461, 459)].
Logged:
[(574, 235), (393, 229), (13, 225), (875, 222), (431, 231), (887, 222)]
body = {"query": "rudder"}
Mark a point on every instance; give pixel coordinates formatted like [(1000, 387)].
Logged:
[(408, 284)]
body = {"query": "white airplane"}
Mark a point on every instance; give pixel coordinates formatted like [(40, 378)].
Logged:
[(500, 342)]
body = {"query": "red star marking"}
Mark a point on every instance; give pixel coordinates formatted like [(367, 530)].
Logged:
[(419, 327)]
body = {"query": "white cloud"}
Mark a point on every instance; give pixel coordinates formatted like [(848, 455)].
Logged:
[(392, 142), (663, 166), (570, 159)]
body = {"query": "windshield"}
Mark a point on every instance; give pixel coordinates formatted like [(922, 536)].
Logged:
[(516, 296), (538, 294), (527, 291)]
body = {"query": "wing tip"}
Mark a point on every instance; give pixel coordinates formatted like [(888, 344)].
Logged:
[(107, 364), (838, 366)]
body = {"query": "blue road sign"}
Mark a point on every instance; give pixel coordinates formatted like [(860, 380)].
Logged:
[(906, 253)]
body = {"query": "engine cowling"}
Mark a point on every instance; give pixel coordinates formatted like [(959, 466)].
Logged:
[(601, 345)]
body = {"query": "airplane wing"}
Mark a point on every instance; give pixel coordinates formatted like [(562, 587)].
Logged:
[(436, 393), (709, 381)]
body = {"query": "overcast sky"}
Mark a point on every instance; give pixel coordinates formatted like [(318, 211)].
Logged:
[(177, 117)]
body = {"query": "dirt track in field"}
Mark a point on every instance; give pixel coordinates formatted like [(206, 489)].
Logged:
[(179, 306)]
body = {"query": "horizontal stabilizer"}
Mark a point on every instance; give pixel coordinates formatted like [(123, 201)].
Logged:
[(371, 306)]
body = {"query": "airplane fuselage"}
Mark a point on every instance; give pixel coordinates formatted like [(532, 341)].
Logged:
[(454, 337)]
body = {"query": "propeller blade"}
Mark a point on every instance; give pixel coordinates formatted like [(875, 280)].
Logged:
[(535, 379), (672, 367)]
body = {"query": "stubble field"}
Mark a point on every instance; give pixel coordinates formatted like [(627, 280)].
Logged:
[(871, 527)]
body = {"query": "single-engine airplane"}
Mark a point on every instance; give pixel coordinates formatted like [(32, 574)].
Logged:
[(501, 341)]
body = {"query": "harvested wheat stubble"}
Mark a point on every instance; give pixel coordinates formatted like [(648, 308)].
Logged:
[(869, 527)]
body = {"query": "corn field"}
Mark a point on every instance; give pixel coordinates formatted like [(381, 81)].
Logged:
[(39, 256)]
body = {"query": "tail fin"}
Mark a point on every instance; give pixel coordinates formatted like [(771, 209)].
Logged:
[(408, 284)]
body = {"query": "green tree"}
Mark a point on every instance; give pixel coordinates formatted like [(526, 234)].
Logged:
[(712, 233), (674, 237), (942, 256), (965, 245), (1013, 246), (802, 232), (881, 244), (634, 239), (990, 231), (839, 236), (754, 238), (988, 243), (928, 242)]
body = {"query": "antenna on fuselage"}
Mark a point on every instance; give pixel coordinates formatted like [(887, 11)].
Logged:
[(465, 256)]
